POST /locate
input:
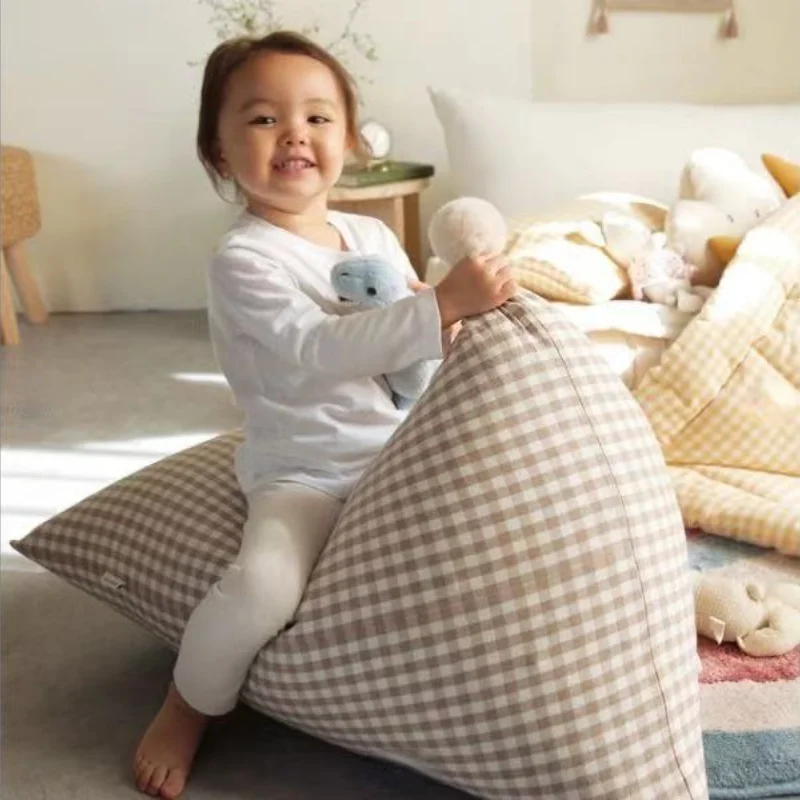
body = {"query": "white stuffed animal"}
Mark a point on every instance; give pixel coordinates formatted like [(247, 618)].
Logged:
[(762, 620), (719, 195), (466, 226), (657, 273)]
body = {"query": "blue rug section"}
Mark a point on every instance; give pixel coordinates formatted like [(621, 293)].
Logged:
[(707, 551), (754, 765)]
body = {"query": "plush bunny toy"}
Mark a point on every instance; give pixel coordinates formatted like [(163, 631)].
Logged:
[(762, 620), (372, 282), (657, 273)]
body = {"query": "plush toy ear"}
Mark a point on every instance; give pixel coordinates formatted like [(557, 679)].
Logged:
[(724, 248), (786, 174), (626, 237), (717, 629), (653, 214), (708, 173)]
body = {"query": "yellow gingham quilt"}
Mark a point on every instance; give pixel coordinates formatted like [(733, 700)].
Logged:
[(724, 401)]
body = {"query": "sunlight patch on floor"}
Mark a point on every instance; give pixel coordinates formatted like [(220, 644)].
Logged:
[(39, 483), (200, 377)]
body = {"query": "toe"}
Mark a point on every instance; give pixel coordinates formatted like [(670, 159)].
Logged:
[(174, 784), (143, 772), (157, 780)]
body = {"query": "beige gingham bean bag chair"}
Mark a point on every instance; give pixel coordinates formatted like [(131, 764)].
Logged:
[(504, 603)]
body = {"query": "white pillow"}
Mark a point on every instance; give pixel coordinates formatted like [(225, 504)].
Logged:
[(525, 156)]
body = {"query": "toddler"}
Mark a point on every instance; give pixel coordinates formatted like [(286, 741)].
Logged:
[(277, 118)]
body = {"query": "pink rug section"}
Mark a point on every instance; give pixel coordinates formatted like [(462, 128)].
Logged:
[(726, 663)]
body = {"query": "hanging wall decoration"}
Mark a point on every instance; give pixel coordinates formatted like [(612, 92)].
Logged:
[(729, 27)]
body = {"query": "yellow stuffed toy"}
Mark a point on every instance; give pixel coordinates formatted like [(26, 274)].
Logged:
[(786, 174), (762, 620)]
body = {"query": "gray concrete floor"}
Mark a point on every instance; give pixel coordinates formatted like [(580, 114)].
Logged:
[(88, 398)]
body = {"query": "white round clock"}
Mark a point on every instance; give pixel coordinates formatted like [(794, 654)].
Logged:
[(377, 138)]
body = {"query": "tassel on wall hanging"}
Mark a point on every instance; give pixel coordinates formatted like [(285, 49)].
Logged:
[(729, 27)]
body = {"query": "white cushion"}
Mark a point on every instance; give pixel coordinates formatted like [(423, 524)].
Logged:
[(525, 156)]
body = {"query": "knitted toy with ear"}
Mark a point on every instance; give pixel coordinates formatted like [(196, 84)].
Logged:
[(762, 620), (657, 273), (372, 282)]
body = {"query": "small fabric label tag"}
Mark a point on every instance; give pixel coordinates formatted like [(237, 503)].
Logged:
[(112, 581)]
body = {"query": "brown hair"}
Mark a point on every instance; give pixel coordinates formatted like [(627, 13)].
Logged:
[(229, 56)]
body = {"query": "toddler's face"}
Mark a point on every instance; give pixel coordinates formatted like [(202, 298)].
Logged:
[(283, 132)]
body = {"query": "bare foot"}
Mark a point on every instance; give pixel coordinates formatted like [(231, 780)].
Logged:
[(165, 754)]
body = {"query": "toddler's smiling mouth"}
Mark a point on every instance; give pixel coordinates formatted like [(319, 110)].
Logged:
[(293, 165)]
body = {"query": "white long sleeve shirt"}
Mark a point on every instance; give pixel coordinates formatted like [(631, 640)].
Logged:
[(306, 377)]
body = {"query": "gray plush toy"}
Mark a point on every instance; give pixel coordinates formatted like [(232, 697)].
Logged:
[(372, 282)]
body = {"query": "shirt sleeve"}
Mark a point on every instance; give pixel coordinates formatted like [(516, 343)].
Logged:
[(260, 299), (399, 256)]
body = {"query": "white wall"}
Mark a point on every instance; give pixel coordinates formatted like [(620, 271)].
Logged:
[(100, 91), (667, 56)]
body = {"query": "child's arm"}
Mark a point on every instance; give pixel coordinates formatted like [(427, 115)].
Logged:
[(266, 304)]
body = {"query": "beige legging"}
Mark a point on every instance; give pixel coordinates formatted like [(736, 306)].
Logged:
[(287, 527)]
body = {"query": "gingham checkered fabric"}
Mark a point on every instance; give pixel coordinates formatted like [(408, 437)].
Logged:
[(564, 260), (504, 603), (151, 544), (559, 253), (725, 399)]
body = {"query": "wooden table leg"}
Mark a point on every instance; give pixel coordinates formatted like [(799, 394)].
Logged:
[(8, 316), (25, 283), (413, 242)]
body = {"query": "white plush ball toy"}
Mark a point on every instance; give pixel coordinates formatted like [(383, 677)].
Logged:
[(466, 226)]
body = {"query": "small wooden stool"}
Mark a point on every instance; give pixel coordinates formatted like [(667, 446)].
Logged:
[(21, 219)]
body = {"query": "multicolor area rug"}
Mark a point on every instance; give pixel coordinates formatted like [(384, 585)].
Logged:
[(750, 706)]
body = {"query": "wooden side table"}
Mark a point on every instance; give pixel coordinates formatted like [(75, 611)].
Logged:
[(396, 204)]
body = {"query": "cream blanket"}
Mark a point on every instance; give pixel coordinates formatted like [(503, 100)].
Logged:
[(724, 401)]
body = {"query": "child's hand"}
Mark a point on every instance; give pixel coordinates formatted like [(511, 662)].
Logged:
[(451, 332), (473, 286)]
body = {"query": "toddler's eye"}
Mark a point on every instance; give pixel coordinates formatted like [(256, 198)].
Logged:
[(262, 120), (317, 119)]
